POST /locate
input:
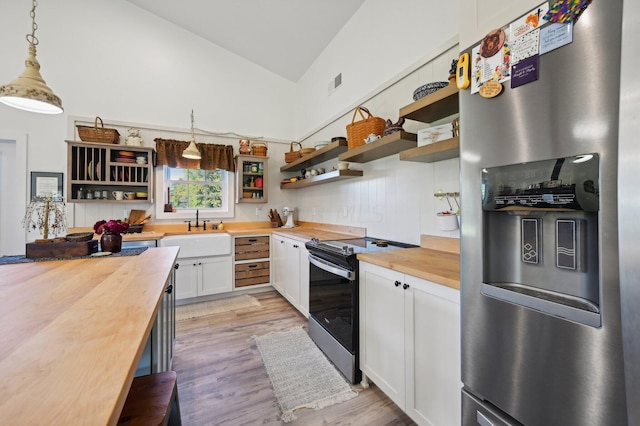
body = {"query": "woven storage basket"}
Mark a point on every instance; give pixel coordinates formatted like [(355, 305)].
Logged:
[(358, 131), (307, 151), (98, 134), (259, 149), (293, 155)]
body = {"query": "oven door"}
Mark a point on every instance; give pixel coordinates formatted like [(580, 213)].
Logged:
[(333, 295)]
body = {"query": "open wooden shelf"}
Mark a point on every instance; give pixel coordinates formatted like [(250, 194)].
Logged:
[(437, 151), (384, 147), (440, 104), (323, 178), (319, 156)]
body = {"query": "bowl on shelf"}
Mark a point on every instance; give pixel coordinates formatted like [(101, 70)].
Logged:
[(428, 89), (247, 194)]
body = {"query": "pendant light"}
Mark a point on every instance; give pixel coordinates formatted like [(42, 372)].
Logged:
[(29, 91), (192, 151)]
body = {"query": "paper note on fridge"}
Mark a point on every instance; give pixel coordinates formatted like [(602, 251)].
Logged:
[(528, 22), (496, 67), (553, 36)]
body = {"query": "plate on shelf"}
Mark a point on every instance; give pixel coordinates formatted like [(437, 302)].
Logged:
[(90, 170), (98, 170)]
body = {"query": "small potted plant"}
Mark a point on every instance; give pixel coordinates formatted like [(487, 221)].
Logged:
[(111, 239)]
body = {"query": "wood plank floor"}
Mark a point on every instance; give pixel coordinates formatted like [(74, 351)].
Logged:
[(222, 381)]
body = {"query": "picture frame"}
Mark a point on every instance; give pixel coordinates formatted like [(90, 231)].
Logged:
[(46, 184)]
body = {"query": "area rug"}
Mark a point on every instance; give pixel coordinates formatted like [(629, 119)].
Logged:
[(302, 377), (195, 310)]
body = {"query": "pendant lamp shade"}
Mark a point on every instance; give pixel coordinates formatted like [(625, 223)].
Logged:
[(29, 92), (192, 151)]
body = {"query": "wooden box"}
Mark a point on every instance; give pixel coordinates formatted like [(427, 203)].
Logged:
[(252, 248), (64, 249), (252, 273)]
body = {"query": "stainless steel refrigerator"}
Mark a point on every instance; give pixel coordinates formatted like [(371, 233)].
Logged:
[(541, 308)]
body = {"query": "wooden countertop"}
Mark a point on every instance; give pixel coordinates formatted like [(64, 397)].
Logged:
[(73, 333), (432, 265)]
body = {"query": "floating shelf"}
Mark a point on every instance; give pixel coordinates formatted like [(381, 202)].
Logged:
[(323, 178), (384, 147), (319, 156), (440, 104), (437, 151)]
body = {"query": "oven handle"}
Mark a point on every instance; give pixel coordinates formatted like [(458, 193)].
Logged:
[(329, 267)]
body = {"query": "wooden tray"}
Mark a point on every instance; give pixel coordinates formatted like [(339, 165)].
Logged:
[(66, 249)]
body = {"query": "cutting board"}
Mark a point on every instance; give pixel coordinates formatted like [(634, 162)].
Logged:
[(136, 216)]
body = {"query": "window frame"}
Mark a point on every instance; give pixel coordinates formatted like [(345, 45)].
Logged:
[(162, 185)]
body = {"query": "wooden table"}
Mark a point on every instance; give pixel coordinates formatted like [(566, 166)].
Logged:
[(73, 333)]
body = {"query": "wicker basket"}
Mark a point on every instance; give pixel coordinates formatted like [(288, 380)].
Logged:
[(293, 155), (259, 149), (358, 131), (98, 134), (307, 151)]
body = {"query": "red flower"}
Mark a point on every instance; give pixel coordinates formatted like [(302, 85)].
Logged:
[(114, 226)]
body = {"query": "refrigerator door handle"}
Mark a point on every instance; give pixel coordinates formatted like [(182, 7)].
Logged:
[(483, 420)]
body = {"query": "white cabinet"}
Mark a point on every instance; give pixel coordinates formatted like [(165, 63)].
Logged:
[(205, 265), (410, 343), (203, 276), (291, 271)]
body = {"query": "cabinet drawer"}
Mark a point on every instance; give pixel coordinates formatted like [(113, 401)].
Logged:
[(252, 273), (252, 248)]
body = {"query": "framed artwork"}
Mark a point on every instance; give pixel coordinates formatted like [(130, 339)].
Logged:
[(46, 184)]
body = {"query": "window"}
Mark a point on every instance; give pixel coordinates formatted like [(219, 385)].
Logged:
[(192, 189)]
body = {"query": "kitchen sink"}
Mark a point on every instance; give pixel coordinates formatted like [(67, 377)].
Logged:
[(199, 245)]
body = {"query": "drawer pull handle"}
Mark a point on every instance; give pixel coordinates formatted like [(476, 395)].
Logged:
[(252, 240), (253, 266)]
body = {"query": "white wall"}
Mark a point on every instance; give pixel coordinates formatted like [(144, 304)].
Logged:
[(115, 60), (380, 41), (394, 199), (384, 53)]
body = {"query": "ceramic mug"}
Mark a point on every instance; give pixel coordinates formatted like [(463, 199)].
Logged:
[(130, 195), (118, 195)]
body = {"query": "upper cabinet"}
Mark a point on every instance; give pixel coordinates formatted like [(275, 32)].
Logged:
[(100, 172), (440, 104), (251, 179)]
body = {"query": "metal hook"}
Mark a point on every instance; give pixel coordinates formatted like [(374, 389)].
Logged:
[(449, 202)]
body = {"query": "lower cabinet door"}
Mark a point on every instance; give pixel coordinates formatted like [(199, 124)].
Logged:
[(382, 316), (216, 275), (433, 353), (187, 278)]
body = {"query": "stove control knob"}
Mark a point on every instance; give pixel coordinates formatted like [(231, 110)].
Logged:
[(315, 241), (349, 250)]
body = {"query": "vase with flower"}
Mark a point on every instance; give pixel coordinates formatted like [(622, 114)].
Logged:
[(111, 239)]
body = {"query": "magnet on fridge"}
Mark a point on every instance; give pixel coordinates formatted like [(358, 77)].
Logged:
[(462, 72)]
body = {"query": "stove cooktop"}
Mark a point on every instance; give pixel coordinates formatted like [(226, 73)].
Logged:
[(353, 246)]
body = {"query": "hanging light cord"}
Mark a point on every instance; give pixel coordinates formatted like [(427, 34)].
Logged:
[(31, 38)]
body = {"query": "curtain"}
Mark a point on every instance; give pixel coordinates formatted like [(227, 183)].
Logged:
[(213, 156)]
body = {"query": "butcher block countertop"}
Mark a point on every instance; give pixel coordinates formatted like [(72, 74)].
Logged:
[(73, 332), (437, 260)]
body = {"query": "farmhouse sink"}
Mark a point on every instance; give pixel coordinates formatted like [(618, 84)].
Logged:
[(199, 245)]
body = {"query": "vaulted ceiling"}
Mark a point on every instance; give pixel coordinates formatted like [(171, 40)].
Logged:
[(282, 36)]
